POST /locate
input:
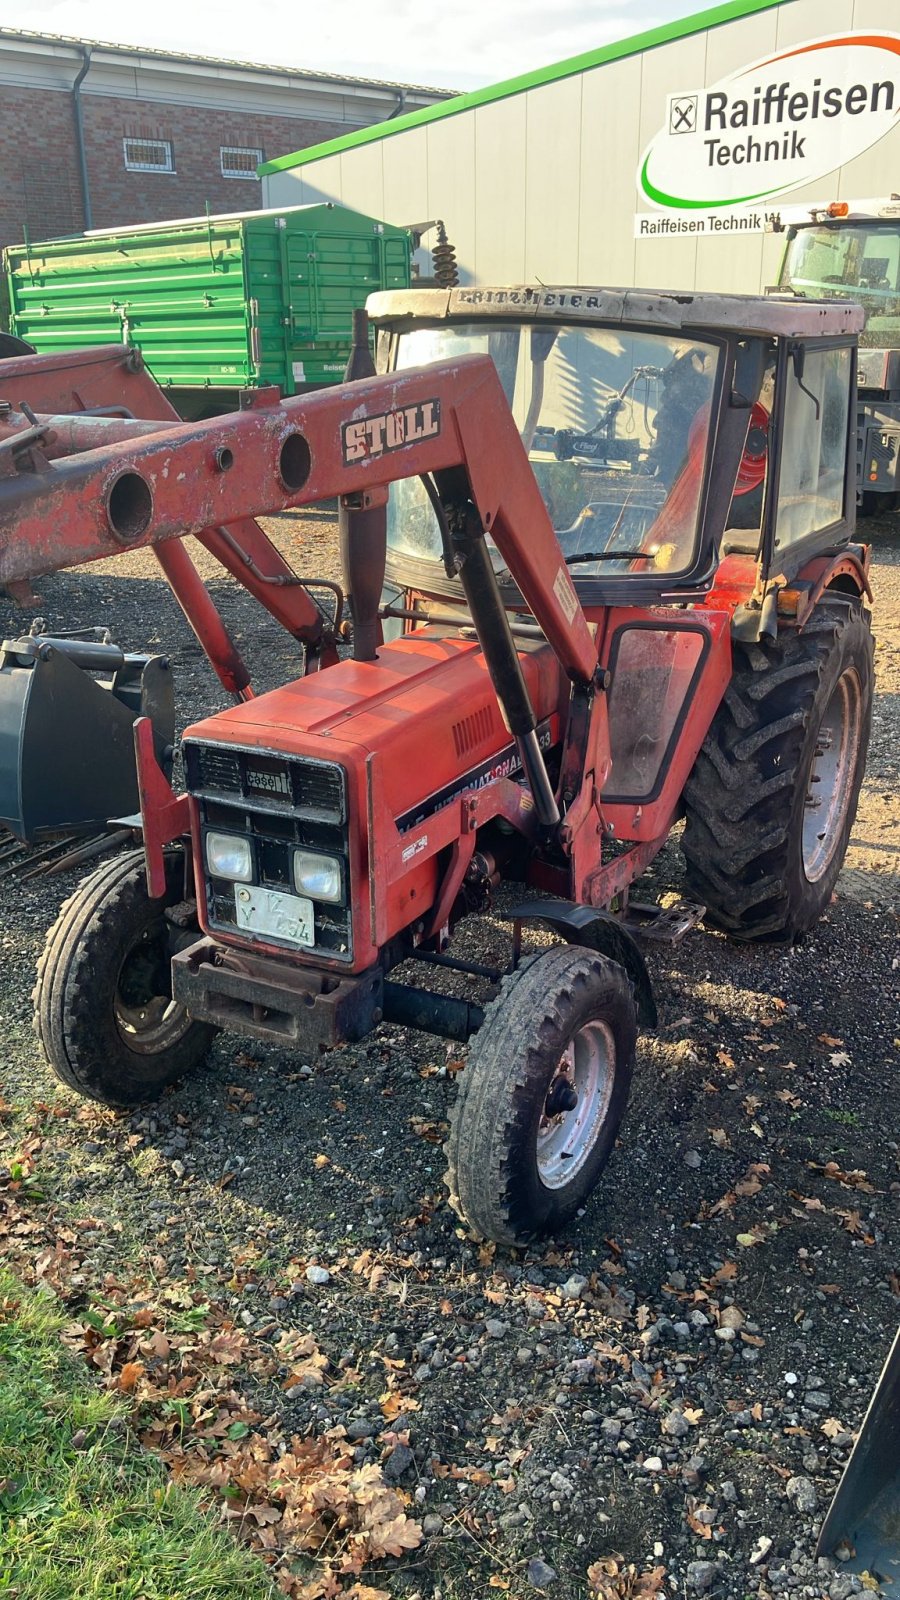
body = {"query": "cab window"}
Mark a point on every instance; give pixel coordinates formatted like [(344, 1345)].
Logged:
[(814, 445)]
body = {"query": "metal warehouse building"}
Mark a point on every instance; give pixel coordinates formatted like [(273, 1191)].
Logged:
[(657, 160)]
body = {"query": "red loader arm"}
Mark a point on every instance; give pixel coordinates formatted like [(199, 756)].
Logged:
[(89, 399), (351, 440)]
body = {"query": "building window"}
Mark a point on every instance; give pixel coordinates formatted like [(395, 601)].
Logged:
[(238, 162), (148, 155)]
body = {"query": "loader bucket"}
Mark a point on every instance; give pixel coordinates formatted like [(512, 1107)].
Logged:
[(863, 1523), (67, 710)]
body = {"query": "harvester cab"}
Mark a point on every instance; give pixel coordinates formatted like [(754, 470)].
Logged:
[(615, 535)]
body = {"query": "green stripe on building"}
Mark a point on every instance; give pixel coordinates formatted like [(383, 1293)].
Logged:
[(731, 11)]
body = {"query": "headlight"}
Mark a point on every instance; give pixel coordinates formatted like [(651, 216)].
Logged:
[(317, 876), (229, 856)]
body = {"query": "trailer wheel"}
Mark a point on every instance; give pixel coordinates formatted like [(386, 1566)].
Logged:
[(773, 794), (10, 345), (542, 1095), (103, 1007)]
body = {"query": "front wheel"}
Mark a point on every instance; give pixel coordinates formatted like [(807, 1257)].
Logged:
[(542, 1096), (103, 1007)]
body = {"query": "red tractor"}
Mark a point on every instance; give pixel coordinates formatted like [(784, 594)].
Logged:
[(616, 585)]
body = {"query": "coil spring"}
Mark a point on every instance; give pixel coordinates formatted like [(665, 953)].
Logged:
[(443, 257)]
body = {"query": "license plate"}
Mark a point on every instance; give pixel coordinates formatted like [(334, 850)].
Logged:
[(272, 914)]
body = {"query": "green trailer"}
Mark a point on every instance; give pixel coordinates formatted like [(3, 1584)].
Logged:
[(215, 304)]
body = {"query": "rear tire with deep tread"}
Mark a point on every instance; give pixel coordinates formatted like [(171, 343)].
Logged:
[(493, 1167), (106, 958), (746, 800)]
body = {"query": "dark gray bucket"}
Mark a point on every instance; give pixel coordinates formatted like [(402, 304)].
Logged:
[(863, 1525), (67, 713)]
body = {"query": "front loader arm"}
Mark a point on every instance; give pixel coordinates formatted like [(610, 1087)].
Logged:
[(88, 398), (342, 441)]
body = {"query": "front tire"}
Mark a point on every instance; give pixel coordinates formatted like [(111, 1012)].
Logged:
[(103, 1007), (773, 794), (542, 1095)]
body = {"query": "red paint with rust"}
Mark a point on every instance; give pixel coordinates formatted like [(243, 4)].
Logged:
[(406, 728), (60, 389)]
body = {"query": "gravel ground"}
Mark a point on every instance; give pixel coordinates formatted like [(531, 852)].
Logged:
[(675, 1383)]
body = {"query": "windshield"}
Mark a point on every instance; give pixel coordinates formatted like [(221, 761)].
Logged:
[(858, 261), (615, 425)]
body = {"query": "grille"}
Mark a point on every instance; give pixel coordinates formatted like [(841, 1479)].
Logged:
[(313, 788), (320, 788), (217, 769), (278, 804)]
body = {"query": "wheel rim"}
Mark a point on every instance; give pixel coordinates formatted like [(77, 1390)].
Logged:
[(149, 1021), (827, 799), (566, 1139)]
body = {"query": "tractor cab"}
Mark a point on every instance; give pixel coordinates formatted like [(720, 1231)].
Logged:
[(664, 431), (598, 551)]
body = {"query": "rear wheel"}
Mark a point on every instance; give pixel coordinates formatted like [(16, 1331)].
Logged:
[(773, 794), (542, 1095), (103, 1003)]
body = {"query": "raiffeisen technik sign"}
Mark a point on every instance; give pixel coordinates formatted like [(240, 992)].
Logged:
[(726, 152)]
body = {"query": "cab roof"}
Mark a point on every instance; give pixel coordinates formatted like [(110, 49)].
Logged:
[(779, 316)]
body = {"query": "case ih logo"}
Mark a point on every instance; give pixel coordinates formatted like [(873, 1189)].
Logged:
[(390, 430), (774, 126)]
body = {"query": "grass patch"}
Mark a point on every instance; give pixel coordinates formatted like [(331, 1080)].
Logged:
[(85, 1514), (847, 1119)]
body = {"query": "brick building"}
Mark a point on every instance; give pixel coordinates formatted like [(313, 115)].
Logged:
[(99, 135)]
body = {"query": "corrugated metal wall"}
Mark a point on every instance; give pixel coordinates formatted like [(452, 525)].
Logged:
[(541, 186)]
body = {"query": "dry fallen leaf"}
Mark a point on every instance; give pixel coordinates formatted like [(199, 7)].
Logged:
[(611, 1579), (725, 1273), (434, 1132), (394, 1404), (831, 1427), (851, 1220), (854, 1179), (702, 1529)]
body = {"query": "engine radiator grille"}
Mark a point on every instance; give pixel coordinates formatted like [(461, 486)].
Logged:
[(278, 804)]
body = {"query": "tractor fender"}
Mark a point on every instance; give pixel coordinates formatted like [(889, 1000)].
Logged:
[(844, 570), (596, 930)]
